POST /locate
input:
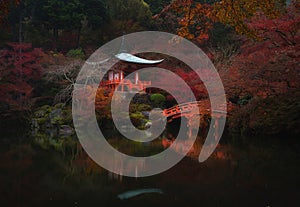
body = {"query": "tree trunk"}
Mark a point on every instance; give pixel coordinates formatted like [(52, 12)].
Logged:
[(55, 38), (78, 37)]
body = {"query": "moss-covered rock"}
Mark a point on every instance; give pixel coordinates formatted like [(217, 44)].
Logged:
[(137, 118), (52, 127)]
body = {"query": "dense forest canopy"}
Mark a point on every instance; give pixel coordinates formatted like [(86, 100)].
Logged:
[(46, 22)]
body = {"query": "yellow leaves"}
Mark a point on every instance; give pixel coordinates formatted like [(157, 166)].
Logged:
[(190, 36), (237, 13), (184, 32), (196, 19)]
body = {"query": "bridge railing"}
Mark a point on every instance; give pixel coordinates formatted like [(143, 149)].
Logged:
[(192, 108), (182, 108)]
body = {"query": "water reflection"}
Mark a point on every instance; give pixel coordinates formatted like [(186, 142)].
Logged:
[(233, 176)]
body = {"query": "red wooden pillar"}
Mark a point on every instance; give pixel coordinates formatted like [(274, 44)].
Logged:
[(116, 76), (111, 76), (122, 75), (136, 81), (216, 126), (189, 125), (121, 80)]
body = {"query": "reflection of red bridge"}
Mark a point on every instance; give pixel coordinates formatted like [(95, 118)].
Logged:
[(193, 108)]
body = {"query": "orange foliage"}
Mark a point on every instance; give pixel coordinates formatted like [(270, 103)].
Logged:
[(238, 13), (196, 19), (102, 102)]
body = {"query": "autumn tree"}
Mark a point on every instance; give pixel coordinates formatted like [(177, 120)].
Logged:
[(238, 13), (197, 18), (283, 29), (19, 69), (102, 103)]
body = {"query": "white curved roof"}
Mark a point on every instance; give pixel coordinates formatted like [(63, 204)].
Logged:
[(134, 59)]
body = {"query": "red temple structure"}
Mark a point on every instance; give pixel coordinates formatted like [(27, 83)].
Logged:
[(115, 80)]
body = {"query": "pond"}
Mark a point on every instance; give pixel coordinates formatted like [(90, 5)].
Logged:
[(260, 173)]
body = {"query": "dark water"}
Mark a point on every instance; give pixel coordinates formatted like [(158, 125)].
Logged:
[(261, 174)]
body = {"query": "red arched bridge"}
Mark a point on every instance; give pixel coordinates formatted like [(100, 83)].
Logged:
[(190, 109)]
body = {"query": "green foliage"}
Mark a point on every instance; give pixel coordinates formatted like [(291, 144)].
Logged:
[(48, 22), (42, 120), (137, 118), (139, 108), (144, 107), (96, 12), (47, 116), (245, 99), (130, 10), (157, 6), (64, 14), (133, 108), (58, 144), (57, 121), (158, 99), (62, 25), (52, 128), (76, 53), (126, 16)]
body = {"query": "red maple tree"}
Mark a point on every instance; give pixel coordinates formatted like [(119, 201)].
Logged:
[(19, 69)]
